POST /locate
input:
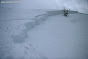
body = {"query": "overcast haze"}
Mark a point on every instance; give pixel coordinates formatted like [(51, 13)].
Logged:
[(78, 5)]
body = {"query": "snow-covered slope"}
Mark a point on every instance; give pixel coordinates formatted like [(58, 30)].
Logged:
[(61, 37), (42, 34)]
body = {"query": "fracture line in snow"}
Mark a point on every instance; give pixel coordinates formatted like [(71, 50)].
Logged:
[(36, 21), (30, 25)]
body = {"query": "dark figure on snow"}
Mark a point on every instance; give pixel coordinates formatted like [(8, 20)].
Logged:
[(65, 12)]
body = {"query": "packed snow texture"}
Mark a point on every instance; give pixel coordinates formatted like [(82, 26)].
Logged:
[(43, 34)]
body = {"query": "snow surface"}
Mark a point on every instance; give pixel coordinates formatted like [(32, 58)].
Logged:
[(43, 34)]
